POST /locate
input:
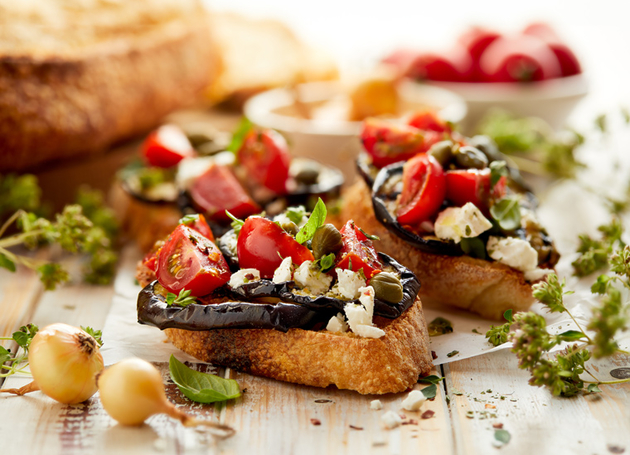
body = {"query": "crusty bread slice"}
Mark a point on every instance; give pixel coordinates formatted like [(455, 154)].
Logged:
[(388, 364), (483, 287)]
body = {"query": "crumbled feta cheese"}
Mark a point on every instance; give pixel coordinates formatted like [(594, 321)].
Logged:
[(376, 405), (283, 218), (391, 420), (312, 278), (360, 316), (189, 169), (414, 401), (337, 324), (513, 252), (164, 191), (243, 276), (283, 272), (455, 223), (368, 331), (537, 274), (357, 315), (367, 300), (349, 283)]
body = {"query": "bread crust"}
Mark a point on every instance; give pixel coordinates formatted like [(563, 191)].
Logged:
[(57, 107), (483, 287), (388, 364)]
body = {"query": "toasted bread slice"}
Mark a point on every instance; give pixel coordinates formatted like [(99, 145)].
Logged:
[(483, 287)]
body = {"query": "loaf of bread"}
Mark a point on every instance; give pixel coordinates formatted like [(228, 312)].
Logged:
[(77, 76)]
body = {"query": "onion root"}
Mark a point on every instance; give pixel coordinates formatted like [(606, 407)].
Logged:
[(30, 387)]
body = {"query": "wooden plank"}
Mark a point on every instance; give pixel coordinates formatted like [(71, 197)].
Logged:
[(275, 418), (496, 392)]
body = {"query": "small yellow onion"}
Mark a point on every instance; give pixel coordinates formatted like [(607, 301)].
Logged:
[(132, 390), (64, 361)]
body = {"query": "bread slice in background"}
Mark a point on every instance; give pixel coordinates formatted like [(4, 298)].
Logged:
[(77, 76)]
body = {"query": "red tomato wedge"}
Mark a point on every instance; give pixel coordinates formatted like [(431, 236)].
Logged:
[(471, 185), (357, 252), (166, 146), (150, 260), (198, 223), (262, 245), (452, 66), (429, 121), (190, 261), (266, 157), (218, 190), (424, 188), (387, 142)]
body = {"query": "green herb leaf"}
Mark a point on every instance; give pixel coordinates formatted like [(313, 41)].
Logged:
[(473, 247), (593, 388), (5, 355), (317, 219), (239, 135), (551, 293), (189, 219), (96, 334), (202, 387), (51, 275), (498, 169), (601, 285), (440, 326), (183, 299), (601, 122), (507, 212), (452, 353), (7, 263), (571, 335), (326, 262), (431, 379), (369, 236), (503, 436), (295, 214), (236, 223), (508, 315), (430, 392)]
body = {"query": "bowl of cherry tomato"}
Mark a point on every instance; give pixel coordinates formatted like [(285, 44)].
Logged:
[(532, 73), (322, 120)]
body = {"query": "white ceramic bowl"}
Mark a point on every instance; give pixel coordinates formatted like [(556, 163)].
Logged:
[(330, 140), (552, 100)]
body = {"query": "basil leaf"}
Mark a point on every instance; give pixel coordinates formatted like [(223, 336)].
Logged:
[(295, 214), (202, 387), (430, 392), (327, 262), (473, 247), (498, 169), (7, 263), (317, 219), (507, 212), (503, 436), (239, 135), (571, 335), (432, 379)]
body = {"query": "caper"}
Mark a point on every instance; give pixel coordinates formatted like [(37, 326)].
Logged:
[(308, 174), (443, 152), (487, 146), (290, 227), (387, 287), (326, 240), (470, 158)]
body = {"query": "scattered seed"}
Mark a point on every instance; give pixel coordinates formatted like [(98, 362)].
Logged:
[(316, 422), (322, 400), (427, 414), (497, 426), (490, 406), (616, 449), (434, 355), (355, 427)]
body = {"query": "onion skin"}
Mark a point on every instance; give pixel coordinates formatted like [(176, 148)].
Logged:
[(65, 361)]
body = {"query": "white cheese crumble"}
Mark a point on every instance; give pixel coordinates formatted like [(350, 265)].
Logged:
[(376, 405), (307, 276), (283, 272), (337, 324), (537, 274), (516, 253), (391, 420), (414, 401), (349, 283), (360, 316), (189, 169), (283, 218), (455, 223), (243, 276)]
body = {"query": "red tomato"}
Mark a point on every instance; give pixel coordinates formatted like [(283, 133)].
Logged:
[(475, 41), (429, 121), (262, 244), (357, 252), (521, 59), (388, 142), (452, 66), (150, 260), (424, 188), (190, 261), (166, 146), (569, 64), (217, 190), (266, 157), (198, 223), (471, 185)]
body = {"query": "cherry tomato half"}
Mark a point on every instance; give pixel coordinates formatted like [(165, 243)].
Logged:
[(471, 185), (190, 261), (429, 121), (569, 64), (166, 146), (424, 188), (262, 245), (387, 142), (218, 190), (266, 157), (198, 223), (357, 252), (452, 66)]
